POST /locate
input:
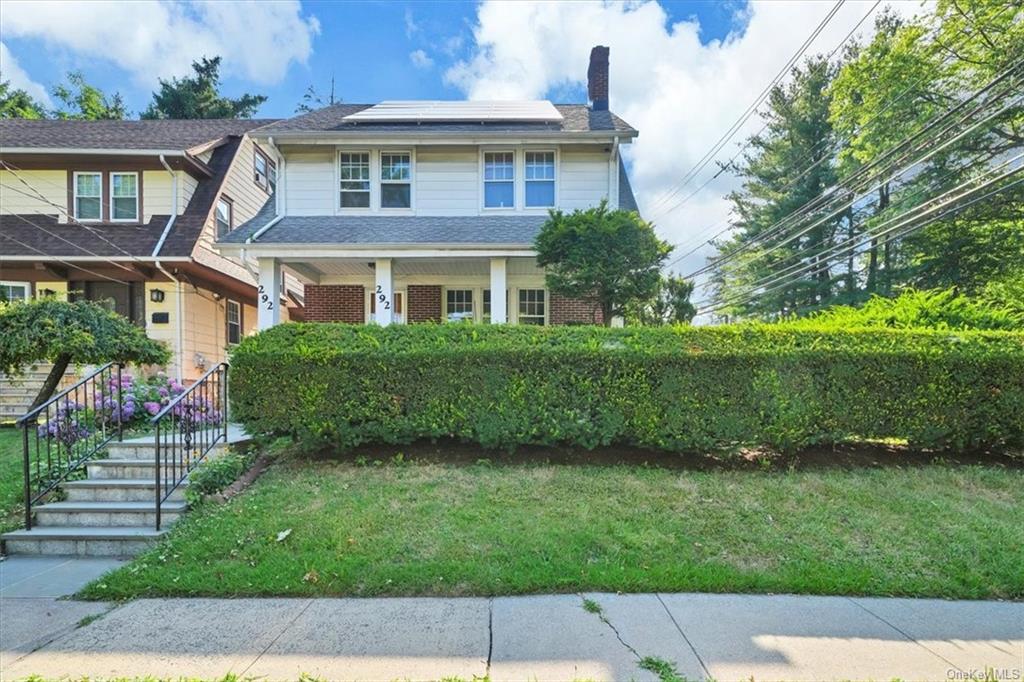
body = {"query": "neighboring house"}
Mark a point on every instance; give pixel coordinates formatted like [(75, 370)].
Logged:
[(416, 211), (126, 212)]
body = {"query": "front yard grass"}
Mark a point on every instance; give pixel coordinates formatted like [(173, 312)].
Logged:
[(11, 480), (430, 528)]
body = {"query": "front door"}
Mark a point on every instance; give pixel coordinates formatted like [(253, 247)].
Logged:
[(398, 311), (124, 299)]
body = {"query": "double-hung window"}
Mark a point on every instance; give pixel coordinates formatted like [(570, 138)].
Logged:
[(531, 306), (264, 171), (224, 217), (124, 196), (395, 180), (354, 171), (14, 291), (88, 196), (499, 180), (459, 305), (540, 179), (234, 321)]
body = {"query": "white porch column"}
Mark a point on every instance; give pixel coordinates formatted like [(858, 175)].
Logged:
[(499, 299), (268, 297), (383, 292)]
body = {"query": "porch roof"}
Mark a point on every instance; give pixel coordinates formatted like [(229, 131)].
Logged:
[(405, 230)]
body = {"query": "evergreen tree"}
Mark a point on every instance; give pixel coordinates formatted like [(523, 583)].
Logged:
[(199, 96)]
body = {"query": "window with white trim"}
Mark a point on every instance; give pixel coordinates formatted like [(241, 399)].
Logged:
[(485, 307), (532, 306), (264, 172), (539, 173), (88, 196), (459, 304), (234, 322), (354, 171), (224, 217), (14, 291), (499, 180), (124, 196), (395, 180)]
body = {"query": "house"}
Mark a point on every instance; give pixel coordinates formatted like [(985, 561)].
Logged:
[(404, 212), (126, 212)]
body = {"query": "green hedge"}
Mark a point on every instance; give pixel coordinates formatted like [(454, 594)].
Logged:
[(676, 389)]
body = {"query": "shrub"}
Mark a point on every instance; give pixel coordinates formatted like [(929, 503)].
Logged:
[(933, 309), (216, 473), (672, 388)]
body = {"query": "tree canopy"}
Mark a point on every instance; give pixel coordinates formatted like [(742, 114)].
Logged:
[(85, 102), (61, 332), (17, 103), (610, 257), (198, 96)]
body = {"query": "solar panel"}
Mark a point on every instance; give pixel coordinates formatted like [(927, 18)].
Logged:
[(538, 111)]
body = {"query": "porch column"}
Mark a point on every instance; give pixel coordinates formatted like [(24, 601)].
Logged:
[(268, 296), (383, 293), (499, 299)]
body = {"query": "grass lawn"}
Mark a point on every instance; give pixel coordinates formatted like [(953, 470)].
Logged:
[(11, 480), (489, 528)]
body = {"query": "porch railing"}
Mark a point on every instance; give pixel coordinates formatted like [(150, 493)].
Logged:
[(187, 429), (69, 429)]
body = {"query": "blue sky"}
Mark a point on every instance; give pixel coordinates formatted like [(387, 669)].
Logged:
[(366, 46)]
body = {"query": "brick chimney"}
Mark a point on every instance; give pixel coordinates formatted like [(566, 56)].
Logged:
[(597, 78)]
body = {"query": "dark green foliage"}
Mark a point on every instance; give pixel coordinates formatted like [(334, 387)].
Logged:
[(217, 473), (43, 330), (612, 257), (670, 304), (671, 388), (84, 102), (199, 96), (941, 309), (18, 103)]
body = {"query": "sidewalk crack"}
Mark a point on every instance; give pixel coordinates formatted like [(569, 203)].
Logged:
[(279, 635), (490, 635), (707, 673), (905, 634), (604, 619)]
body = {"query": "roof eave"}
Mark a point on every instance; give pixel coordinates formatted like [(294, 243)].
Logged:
[(328, 137)]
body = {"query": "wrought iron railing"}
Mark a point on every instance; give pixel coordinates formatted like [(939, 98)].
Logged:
[(187, 429), (69, 429)]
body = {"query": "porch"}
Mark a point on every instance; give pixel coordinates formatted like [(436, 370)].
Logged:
[(403, 288)]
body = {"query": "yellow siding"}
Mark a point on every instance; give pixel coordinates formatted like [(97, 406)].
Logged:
[(15, 197), (158, 192), (165, 333), (59, 289)]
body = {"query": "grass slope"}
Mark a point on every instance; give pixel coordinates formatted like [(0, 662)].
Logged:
[(483, 529), (11, 480)]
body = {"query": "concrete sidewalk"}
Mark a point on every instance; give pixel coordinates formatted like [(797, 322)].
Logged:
[(725, 637)]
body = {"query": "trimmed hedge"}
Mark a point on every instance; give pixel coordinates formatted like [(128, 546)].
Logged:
[(676, 389)]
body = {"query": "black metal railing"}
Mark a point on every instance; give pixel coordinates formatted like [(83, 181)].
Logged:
[(187, 429), (69, 429)]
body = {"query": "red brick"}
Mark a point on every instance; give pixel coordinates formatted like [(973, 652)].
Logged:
[(566, 310), (335, 303), (424, 302)]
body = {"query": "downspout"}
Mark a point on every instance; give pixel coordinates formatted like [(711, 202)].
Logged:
[(613, 174), (178, 291), (278, 209)]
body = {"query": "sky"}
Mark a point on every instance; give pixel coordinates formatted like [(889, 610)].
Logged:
[(681, 71)]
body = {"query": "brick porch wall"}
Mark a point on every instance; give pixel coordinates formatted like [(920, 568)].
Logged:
[(335, 303), (424, 302), (573, 310)]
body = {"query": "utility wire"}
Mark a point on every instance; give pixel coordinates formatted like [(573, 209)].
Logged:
[(68, 241), (62, 262)]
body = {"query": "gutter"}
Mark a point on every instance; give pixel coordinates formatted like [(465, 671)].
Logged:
[(180, 317)]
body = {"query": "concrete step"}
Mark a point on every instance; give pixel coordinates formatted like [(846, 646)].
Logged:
[(134, 450), (117, 490), (110, 514), (119, 541)]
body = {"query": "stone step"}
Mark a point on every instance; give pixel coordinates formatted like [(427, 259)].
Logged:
[(111, 514), (117, 490), (134, 450), (117, 541), (107, 469)]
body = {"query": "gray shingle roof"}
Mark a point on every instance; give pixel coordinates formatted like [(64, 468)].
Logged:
[(405, 230), (165, 134), (577, 118), (626, 199)]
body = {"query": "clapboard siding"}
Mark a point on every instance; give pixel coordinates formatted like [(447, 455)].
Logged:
[(447, 182), (15, 197), (310, 184), (584, 179)]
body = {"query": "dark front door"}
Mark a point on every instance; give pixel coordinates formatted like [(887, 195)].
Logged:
[(124, 299)]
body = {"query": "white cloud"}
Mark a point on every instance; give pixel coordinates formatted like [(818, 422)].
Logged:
[(11, 71), (159, 38), (411, 27), (680, 94), (420, 59)]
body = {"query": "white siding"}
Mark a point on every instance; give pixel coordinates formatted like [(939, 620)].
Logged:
[(15, 197), (447, 182), (583, 179), (309, 185)]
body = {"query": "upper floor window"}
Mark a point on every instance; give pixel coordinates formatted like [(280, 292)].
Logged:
[(224, 217), (395, 180), (88, 196), (354, 171), (264, 171), (540, 179), (124, 196), (499, 180)]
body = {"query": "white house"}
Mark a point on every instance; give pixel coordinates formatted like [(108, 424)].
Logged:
[(410, 211)]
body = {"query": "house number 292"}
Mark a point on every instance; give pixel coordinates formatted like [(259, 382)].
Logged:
[(265, 299), (382, 298)]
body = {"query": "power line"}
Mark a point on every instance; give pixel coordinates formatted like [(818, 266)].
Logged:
[(68, 241), (62, 262)]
